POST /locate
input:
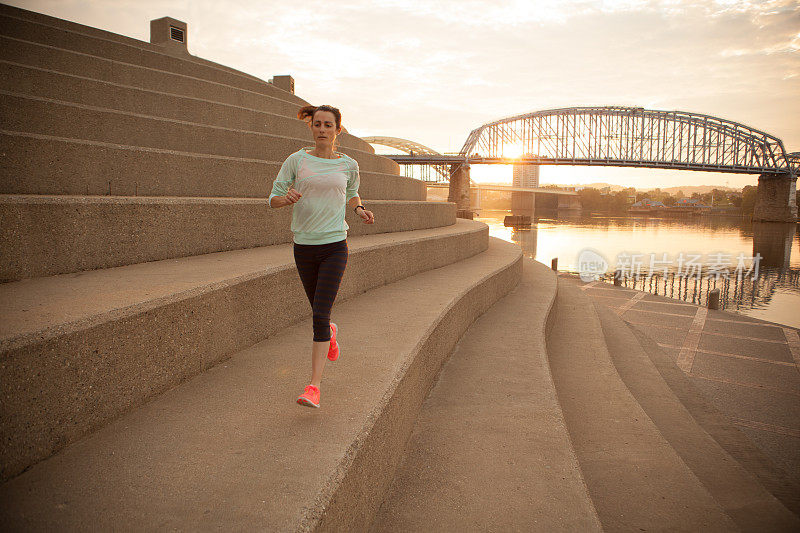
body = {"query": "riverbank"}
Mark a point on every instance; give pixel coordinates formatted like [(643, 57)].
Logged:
[(671, 243), (747, 368)]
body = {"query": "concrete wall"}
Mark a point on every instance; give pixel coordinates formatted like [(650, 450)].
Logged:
[(49, 235)]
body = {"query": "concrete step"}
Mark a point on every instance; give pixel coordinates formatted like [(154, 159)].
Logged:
[(78, 89), (80, 349), (34, 115), (48, 235), (740, 494), (45, 164), (230, 450), (729, 437), (33, 16), (490, 450), (89, 66), (143, 55), (636, 480)]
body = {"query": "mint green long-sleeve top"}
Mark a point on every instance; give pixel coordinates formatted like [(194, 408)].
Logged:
[(326, 185)]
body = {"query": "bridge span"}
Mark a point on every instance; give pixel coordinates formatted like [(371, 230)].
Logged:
[(623, 136)]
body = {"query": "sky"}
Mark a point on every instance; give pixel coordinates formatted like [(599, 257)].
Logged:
[(432, 71)]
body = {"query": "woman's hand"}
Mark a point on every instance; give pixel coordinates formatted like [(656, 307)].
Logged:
[(366, 216), (292, 196)]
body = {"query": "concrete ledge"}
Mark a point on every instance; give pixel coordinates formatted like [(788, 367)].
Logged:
[(78, 89), (41, 116), (150, 469), (149, 56), (49, 235), (43, 164), (635, 478), (79, 350)]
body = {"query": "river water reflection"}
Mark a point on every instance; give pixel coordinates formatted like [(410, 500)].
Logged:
[(716, 244)]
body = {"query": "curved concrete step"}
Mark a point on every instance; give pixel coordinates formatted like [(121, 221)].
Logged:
[(49, 235), (718, 426), (82, 348), (739, 384), (45, 164), (98, 68), (35, 115), (144, 55), (635, 478), (40, 18), (77, 89), (229, 449), (739, 493), (490, 450)]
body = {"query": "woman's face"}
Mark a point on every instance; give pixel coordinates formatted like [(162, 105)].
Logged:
[(323, 128)]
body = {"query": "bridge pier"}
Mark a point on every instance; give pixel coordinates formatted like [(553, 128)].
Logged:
[(459, 190), (523, 203), (776, 198)]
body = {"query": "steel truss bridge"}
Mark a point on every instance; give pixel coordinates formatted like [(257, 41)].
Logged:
[(419, 154), (611, 136)]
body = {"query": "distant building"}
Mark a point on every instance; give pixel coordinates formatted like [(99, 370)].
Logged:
[(692, 205), (526, 175), (647, 203), (687, 201)]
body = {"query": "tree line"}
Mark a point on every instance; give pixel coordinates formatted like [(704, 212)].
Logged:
[(618, 202)]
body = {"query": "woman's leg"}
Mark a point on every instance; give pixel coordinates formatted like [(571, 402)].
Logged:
[(321, 269), (329, 277), (319, 354), (307, 263)]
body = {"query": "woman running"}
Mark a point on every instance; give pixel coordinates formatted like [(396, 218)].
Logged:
[(320, 183)]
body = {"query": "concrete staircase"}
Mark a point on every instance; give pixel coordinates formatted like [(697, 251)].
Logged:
[(583, 427), (154, 335)]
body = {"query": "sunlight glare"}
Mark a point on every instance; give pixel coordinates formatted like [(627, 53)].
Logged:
[(512, 150)]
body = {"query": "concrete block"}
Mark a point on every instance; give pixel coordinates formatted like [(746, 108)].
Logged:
[(47, 117), (79, 351), (42, 83), (48, 235), (171, 35), (41, 164), (150, 56), (93, 67)]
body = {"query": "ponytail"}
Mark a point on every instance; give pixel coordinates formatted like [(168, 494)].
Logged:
[(308, 112)]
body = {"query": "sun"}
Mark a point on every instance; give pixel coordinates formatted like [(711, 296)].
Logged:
[(512, 150)]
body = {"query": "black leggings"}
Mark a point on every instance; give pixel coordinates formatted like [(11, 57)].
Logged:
[(321, 267)]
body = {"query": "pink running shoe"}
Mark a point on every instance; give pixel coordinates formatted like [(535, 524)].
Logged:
[(333, 351), (310, 397)]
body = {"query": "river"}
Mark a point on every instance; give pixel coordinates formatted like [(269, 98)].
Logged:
[(756, 266)]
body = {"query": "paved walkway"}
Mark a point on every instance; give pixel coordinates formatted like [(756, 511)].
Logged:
[(748, 368)]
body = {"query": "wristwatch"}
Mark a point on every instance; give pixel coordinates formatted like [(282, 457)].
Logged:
[(355, 209)]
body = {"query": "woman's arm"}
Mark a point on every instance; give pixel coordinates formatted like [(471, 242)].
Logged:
[(291, 197), (365, 215), (283, 192)]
